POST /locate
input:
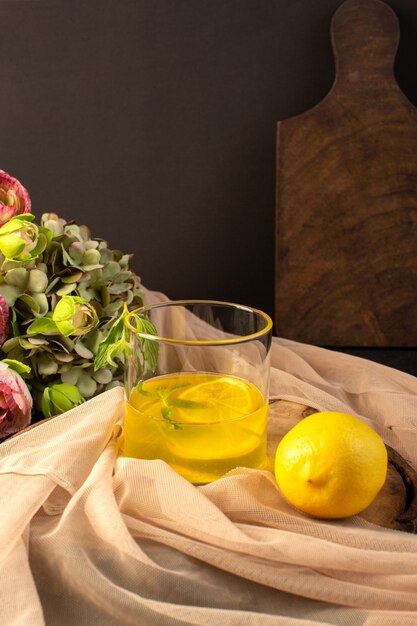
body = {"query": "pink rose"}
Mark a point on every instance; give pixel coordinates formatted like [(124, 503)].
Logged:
[(15, 402), (14, 199), (4, 320)]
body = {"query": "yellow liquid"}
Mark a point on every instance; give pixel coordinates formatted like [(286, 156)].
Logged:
[(202, 424)]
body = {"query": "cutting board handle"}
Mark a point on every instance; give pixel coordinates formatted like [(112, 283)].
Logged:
[(365, 36), (346, 255)]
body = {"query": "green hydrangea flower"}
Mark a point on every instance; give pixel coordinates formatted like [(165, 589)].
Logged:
[(62, 308)]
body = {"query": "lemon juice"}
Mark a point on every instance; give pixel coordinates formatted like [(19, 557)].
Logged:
[(202, 424)]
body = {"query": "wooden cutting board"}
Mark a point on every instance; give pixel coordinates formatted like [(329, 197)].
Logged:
[(346, 205)]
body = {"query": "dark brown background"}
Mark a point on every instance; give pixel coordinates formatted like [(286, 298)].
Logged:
[(154, 122)]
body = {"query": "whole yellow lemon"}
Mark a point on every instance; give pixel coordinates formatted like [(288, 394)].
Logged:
[(331, 465)]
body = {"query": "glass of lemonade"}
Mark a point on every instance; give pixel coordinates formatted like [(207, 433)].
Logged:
[(197, 391)]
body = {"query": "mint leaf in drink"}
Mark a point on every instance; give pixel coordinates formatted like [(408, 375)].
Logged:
[(166, 414), (186, 404), (143, 391)]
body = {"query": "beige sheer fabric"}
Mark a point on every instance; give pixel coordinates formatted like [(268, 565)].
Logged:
[(89, 538)]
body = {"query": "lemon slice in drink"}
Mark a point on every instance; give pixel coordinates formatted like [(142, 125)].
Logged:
[(219, 398)]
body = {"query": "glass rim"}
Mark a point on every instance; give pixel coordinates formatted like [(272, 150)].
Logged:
[(200, 342)]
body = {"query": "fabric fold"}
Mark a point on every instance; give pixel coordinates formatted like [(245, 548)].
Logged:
[(89, 537)]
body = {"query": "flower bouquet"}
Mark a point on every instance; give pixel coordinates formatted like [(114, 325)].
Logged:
[(63, 294)]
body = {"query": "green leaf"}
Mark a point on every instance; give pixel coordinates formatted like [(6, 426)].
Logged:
[(186, 404), (71, 376), (41, 302), (166, 414), (10, 344), (17, 366), (72, 278), (28, 303), (66, 289), (28, 217), (38, 341), (46, 404), (37, 282), (52, 284), (143, 391), (25, 343), (15, 324), (18, 277), (82, 350), (110, 270), (42, 325), (47, 232), (114, 335), (10, 293), (64, 343), (117, 349), (101, 357), (167, 403), (103, 376), (118, 288), (47, 365), (87, 385), (149, 347), (68, 260), (166, 391), (165, 410), (116, 343)]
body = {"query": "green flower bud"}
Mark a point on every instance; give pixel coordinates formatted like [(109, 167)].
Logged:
[(21, 240), (60, 398), (74, 316)]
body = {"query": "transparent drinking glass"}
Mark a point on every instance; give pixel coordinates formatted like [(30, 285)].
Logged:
[(197, 391)]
